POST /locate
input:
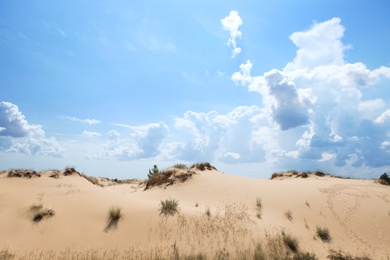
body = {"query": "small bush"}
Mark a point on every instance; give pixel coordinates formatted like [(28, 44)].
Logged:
[(288, 214), (291, 242), (323, 233), (384, 179), (319, 173), (114, 213), (39, 212), (169, 207)]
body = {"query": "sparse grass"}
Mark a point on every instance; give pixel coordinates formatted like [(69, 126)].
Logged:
[(5, 254), (39, 212), (180, 166), (334, 255), (259, 254), (305, 256), (169, 207), (208, 212), (288, 214), (291, 242), (324, 234), (115, 213), (259, 207)]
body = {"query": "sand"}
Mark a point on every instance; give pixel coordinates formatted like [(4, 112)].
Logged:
[(218, 217)]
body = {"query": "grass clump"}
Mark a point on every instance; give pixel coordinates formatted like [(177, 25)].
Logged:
[(113, 217), (323, 234), (39, 212), (288, 214), (180, 166), (169, 207), (5, 254), (115, 213), (259, 207), (291, 242), (343, 256), (305, 256)]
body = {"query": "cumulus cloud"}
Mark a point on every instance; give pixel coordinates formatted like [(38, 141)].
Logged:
[(285, 104), (319, 102), (231, 23), (84, 121), (91, 134), (141, 142), (14, 124), (19, 136)]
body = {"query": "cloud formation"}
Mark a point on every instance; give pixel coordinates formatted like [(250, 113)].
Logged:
[(231, 23), (141, 142), (319, 100), (18, 136), (84, 121)]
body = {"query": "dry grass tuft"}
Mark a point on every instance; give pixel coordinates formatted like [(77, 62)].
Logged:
[(169, 207), (113, 217), (39, 212), (288, 214), (334, 255), (259, 207), (323, 234)]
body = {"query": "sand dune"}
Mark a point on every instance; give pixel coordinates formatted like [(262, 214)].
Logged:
[(218, 217)]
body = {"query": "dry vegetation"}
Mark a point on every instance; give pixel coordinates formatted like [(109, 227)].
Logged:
[(38, 212)]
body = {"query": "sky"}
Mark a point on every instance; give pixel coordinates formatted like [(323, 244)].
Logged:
[(253, 87)]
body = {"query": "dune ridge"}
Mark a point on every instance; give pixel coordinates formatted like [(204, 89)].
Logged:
[(220, 216)]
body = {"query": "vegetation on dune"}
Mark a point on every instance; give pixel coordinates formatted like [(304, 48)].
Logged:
[(323, 234), (169, 207), (384, 179), (39, 212)]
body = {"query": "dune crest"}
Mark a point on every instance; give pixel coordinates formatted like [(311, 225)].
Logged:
[(218, 216)]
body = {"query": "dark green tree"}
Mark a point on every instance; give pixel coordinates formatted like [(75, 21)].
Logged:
[(153, 172), (384, 177)]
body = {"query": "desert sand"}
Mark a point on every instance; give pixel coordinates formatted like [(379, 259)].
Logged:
[(220, 216)]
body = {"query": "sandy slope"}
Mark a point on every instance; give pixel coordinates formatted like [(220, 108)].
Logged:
[(357, 213)]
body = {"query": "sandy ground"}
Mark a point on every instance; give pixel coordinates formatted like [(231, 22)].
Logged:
[(217, 216)]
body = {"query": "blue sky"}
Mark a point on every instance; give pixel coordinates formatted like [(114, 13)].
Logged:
[(254, 87)]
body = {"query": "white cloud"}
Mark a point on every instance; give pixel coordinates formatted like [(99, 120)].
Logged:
[(319, 46), (14, 124), (318, 101), (84, 121), (383, 117), (142, 142), (18, 136), (91, 134), (231, 23)]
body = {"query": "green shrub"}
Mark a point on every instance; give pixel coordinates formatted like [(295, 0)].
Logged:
[(169, 207), (384, 179), (323, 233), (153, 172)]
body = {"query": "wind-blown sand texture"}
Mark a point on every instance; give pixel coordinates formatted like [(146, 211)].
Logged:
[(218, 217)]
